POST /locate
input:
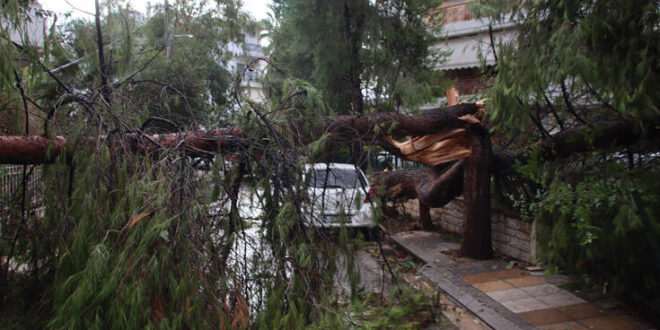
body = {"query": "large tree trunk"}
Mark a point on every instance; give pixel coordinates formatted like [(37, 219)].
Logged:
[(353, 33), (600, 136), (476, 192), (41, 150), (376, 125), (104, 68), (30, 149), (607, 135), (425, 217), (437, 186), (434, 187)]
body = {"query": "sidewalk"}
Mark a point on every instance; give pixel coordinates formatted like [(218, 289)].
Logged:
[(511, 298)]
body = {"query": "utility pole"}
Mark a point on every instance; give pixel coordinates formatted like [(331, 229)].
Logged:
[(103, 66), (169, 36)]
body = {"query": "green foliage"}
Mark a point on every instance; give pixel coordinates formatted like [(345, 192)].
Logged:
[(169, 65), (603, 225), (574, 65), (301, 104), (133, 241), (356, 51), (402, 309), (317, 147), (118, 266), (603, 52)]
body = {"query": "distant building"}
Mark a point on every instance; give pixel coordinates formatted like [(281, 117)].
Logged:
[(469, 41), (32, 32), (244, 55)]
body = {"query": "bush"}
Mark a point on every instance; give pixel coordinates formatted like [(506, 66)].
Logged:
[(604, 226)]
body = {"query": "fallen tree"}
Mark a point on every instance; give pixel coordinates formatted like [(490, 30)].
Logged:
[(452, 143), (380, 124), (453, 136), (437, 138), (605, 135), (25, 150)]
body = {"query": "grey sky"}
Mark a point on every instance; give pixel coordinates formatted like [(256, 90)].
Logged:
[(79, 8)]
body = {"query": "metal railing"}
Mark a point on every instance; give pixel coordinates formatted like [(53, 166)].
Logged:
[(11, 188)]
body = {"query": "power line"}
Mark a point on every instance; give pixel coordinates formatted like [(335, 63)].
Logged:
[(78, 9)]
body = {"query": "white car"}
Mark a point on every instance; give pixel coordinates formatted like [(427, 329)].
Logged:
[(337, 196)]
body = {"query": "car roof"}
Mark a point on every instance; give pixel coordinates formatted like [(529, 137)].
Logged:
[(323, 166)]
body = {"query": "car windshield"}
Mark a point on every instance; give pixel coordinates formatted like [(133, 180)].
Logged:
[(335, 178)]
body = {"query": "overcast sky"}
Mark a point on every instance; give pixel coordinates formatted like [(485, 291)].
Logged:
[(81, 8)]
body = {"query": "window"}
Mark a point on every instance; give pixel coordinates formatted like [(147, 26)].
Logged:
[(336, 178)]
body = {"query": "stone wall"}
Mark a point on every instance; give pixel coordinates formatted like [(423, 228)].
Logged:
[(511, 236)]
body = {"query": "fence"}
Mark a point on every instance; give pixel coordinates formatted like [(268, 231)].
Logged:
[(11, 188)]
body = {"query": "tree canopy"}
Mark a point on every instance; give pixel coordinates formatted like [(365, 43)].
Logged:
[(571, 55), (585, 73), (358, 52), (144, 208)]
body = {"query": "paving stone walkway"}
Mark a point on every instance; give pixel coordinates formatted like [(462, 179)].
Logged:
[(511, 298), (546, 305)]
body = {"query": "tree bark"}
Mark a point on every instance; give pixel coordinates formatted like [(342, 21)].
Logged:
[(425, 217), (353, 32), (375, 125), (476, 193), (23, 150), (103, 66), (434, 187), (41, 150), (443, 186), (601, 136)]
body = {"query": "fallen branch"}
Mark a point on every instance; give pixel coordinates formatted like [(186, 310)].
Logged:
[(433, 186), (380, 124), (41, 150), (600, 136)]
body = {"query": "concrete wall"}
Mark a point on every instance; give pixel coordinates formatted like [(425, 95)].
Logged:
[(511, 236)]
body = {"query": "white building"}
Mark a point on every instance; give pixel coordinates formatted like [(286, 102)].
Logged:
[(244, 62), (466, 40), (31, 31)]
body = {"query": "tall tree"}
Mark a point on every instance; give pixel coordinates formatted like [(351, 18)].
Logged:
[(358, 53), (188, 86), (572, 54), (582, 76)]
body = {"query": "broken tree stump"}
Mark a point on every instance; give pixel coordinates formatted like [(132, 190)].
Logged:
[(425, 217), (476, 193)]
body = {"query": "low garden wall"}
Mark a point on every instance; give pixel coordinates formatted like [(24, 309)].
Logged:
[(511, 236)]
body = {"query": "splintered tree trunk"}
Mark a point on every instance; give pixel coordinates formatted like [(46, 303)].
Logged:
[(476, 192)]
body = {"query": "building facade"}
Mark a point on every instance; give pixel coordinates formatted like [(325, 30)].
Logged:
[(29, 33), (32, 31), (470, 43), (245, 62)]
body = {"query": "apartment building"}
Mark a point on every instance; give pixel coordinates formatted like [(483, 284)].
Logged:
[(244, 61), (470, 42)]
